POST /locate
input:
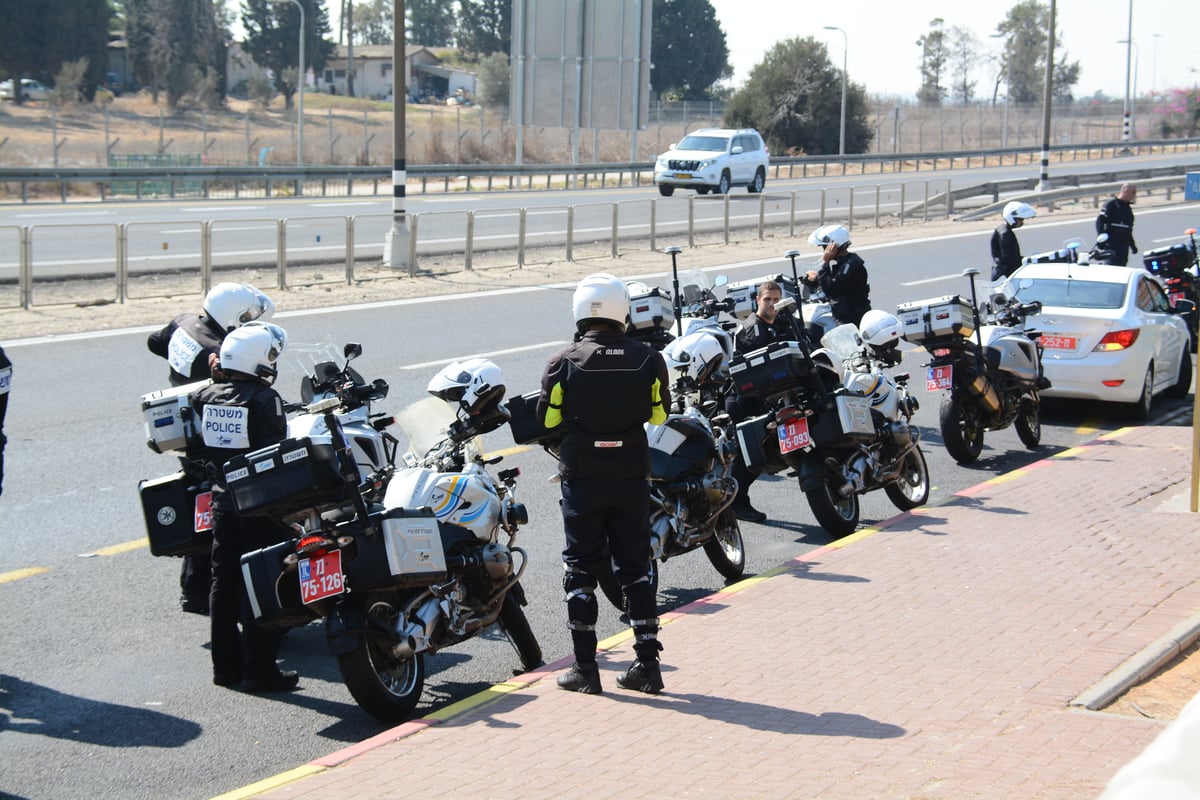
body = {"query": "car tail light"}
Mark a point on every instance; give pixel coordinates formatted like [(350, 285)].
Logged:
[(1117, 340)]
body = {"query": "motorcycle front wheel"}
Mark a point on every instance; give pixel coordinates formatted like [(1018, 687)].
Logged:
[(911, 487), (725, 548), (385, 685), (836, 514), (961, 431), (515, 624), (1029, 423)]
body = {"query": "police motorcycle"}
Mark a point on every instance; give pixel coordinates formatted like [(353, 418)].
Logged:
[(992, 381), (1176, 265), (392, 572)]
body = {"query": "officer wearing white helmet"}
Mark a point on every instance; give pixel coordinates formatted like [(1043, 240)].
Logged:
[(842, 275), (236, 413), (187, 342), (603, 388), (1006, 252)]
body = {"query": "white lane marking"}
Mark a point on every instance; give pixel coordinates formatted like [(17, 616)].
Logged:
[(346, 203), (489, 354), (35, 214), (221, 208)]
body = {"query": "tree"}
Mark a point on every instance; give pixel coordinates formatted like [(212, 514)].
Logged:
[(688, 48), (485, 27), (1024, 58), (372, 22), (794, 99), (963, 58), (495, 80), (39, 38), (934, 55), (272, 39), (431, 23), (178, 46)]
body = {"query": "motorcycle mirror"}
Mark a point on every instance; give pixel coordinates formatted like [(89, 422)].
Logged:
[(352, 350), (720, 280)]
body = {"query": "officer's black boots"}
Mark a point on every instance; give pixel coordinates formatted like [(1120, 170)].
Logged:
[(643, 676), (583, 678)]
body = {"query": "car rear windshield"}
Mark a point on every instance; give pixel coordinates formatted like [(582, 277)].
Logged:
[(714, 143), (1072, 293)]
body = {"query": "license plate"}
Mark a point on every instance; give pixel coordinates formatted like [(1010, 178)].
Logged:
[(321, 577), (794, 436), (203, 514), (1058, 342), (1175, 296), (683, 176), (939, 378)]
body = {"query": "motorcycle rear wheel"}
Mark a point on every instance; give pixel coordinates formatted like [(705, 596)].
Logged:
[(1029, 424), (515, 624), (725, 548), (384, 685), (911, 488), (836, 514), (961, 432)]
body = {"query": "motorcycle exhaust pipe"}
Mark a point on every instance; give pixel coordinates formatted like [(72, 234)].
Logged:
[(415, 632)]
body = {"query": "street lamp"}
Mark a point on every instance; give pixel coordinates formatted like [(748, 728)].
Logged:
[(1125, 131), (845, 54), (1131, 104), (300, 92), (1047, 100)]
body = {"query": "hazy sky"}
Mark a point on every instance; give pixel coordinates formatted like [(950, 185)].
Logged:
[(882, 34)]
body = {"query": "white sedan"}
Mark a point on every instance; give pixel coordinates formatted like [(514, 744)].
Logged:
[(1109, 333)]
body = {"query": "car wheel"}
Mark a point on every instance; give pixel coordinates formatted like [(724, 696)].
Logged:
[(1184, 380), (760, 180), (666, 191), (723, 186), (701, 190), (1140, 409)]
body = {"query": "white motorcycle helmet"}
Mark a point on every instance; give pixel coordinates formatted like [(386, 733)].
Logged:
[(254, 349), (601, 296), (830, 234), (1016, 210), (231, 305), (475, 384), (696, 353), (878, 328)]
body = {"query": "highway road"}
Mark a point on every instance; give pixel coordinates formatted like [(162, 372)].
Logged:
[(105, 686)]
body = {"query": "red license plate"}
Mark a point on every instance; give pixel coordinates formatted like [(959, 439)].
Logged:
[(1174, 296), (794, 436), (1058, 342), (939, 378), (203, 514), (321, 577)]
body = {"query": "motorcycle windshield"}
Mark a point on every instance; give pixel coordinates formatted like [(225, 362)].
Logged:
[(425, 423), (843, 340)]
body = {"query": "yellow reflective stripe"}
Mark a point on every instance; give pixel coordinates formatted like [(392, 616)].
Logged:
[(658, 412), (554, 410)]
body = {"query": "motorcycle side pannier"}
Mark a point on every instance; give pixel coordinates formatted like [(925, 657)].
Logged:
[(178, 513), (1168, 261), (525, 426), (168, 413), (295, 473), (275, 594), (751, 434), (939, 316), (652, 309), (769, 370), (849, 420), (407, 552)]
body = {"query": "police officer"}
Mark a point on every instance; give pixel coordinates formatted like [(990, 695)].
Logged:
[(1116, 219), (603, 388), (186, 342), (5, 384), (764, 326), (842, 275), (1006, 250), (236, 413)]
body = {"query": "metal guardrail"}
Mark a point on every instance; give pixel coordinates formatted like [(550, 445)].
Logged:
[(260, 181)]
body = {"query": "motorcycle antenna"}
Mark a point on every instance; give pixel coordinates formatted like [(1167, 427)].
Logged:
[(676, 302), (792, 254), (970, 273)]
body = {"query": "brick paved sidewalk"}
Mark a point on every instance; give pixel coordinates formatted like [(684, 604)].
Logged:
[(934, 658)]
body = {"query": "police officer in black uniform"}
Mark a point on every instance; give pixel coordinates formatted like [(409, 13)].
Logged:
[(603, 388), (237, 413), (762, 328), (1006, 250), (842, 276), (1116, 219), (186, 342), (5, 385)]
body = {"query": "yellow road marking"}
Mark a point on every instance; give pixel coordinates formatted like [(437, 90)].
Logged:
[(18, 574), (272, 782), (124, 547), (508, 451)]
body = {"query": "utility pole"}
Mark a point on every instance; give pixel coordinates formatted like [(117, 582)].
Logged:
[(1047, 101), (395, 247)]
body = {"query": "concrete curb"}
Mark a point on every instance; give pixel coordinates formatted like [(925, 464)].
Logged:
[(1141, 666)]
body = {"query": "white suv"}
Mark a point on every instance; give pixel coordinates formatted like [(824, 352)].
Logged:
[(714, 159)]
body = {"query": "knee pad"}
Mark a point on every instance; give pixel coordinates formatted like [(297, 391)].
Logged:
[(580, 595)]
